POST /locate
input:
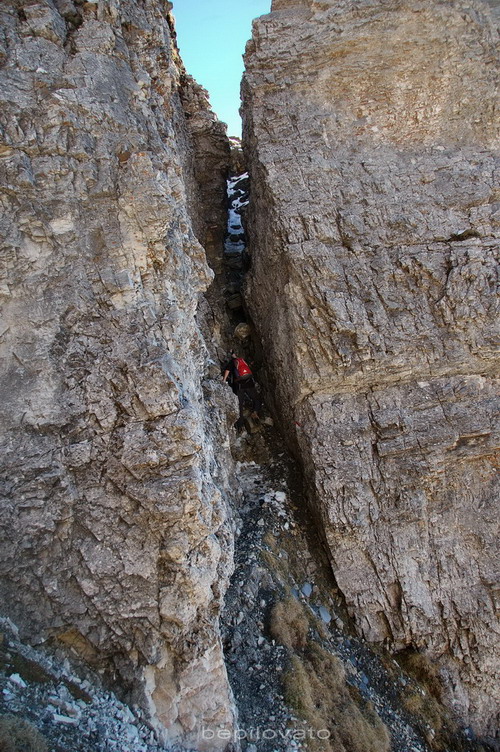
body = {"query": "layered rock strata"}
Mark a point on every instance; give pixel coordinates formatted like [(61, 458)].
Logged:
[(372, 139), (116, 541)]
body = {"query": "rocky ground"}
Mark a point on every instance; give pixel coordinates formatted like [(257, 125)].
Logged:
[(278, 558), (61, 710), (282, 585)]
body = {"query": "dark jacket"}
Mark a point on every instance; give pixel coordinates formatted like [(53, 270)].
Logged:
[(233, 380)]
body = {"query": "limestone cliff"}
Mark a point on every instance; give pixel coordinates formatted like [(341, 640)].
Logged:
[(372, 134), (114, 522)]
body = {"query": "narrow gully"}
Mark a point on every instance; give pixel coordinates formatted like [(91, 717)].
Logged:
[(283, 611)]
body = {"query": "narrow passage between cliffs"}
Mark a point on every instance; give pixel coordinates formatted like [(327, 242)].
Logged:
[(301, 677)]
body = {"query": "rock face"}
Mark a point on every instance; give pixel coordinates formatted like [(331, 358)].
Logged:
[(115, 533), (371, 135), (210, 162)]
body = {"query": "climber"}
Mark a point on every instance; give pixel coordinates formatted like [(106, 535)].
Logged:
[(239, 375)]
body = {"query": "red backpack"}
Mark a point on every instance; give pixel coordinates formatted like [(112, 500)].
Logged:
[(242, 368)]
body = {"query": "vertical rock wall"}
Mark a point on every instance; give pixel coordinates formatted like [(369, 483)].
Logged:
[(210, 163), (372, 134), (114, 520)]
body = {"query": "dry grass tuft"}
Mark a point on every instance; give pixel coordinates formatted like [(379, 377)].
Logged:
[(289, 624), (424, 706), (275, 565), (424, 701), (315, 687), (422, 670), (270, 540), (444, 734), (18, 735)]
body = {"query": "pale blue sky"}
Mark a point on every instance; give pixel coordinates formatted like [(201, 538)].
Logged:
[(212, 35)]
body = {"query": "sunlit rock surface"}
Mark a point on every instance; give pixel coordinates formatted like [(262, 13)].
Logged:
[(372, 138), (114, 523)]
